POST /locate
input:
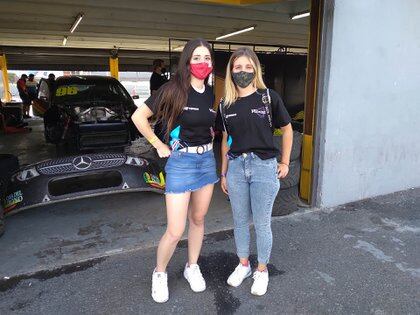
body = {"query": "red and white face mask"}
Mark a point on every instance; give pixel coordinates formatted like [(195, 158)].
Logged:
[(201, 70)]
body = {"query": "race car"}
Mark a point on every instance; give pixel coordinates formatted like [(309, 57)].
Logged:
[(88, 112)]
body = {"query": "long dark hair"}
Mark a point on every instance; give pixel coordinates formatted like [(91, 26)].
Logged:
[(172, 98)]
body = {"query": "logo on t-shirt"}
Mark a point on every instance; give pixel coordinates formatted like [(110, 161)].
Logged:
[(259, 111), (191, 108)]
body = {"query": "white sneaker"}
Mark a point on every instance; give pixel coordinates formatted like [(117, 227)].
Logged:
[(240, 273), (194, 277), (259, 287), (160, 293)]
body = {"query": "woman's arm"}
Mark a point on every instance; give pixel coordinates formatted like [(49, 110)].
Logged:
[(287, 141), (140, 119), (224, 150)]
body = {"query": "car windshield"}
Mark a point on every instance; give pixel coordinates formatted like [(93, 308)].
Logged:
[(90, 93)]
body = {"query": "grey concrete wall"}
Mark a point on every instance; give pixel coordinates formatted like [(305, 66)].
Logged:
[(370, 133)]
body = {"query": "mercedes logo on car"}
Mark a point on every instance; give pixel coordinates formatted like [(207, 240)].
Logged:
[(82, 162)]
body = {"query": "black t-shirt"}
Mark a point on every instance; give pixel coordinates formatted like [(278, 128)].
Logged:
[(248, 125), (156, 81), (194, 126)]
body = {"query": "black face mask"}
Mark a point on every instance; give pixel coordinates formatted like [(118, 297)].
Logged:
[(163, 70), (243, 78)]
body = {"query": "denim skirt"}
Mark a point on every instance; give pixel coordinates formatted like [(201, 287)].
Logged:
[(189, 171)]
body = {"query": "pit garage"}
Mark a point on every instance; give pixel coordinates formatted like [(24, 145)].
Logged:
[(72, 201)]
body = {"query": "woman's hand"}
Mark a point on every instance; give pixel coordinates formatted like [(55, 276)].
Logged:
[(282, 170), (223, 185), (163, 150)]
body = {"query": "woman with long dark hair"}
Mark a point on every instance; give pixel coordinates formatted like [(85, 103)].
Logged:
[(184, 106), (250, 172)]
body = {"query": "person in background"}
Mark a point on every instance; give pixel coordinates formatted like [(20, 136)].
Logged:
[(51, 81), (32, 87), (158, 77), (24, 95)]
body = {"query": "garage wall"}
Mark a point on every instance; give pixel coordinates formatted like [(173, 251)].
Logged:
[(370, 138), (284, 73)]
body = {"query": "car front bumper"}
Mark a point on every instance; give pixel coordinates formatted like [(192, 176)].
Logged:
[(80, 176)]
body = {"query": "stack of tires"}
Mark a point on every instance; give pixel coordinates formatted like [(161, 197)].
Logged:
[(8, 165), (288, 197)]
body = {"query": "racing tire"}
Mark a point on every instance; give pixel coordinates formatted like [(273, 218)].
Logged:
[(296, 147), (293, 177), (53, 130), (53, 133), (286, 201)]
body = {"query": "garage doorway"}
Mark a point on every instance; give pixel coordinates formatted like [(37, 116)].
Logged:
[(140, 32)]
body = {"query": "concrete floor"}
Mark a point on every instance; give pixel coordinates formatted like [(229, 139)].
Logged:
[(49, 236), (28, 147), (361, 258)]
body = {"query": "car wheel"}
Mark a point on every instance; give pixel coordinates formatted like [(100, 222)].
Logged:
[(53, 133), (52, 127)]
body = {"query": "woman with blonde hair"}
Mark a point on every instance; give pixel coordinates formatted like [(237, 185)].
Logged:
[(250, 174)]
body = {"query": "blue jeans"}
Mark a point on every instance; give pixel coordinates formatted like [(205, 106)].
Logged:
[(253, 185)]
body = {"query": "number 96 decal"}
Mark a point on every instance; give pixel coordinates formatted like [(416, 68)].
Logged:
[(66, 90)]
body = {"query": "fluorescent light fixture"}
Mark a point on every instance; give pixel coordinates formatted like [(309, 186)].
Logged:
[(65, 40), (76, 22), (180, 47), (237, 32), (300, 15)]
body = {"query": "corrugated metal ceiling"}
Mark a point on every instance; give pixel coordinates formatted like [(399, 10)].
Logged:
[(147, 24)]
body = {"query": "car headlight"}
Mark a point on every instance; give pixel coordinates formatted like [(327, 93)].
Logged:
[(136, 161), (25, 174)]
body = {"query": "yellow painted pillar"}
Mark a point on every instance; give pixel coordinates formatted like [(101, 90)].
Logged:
[(3, 68), (113, 67), (306, 170), (310, 100)]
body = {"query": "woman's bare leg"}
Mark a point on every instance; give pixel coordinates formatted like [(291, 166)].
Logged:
[(199, 205), (176, 209)]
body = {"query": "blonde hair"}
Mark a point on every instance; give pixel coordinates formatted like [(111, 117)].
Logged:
[(231, 93)]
